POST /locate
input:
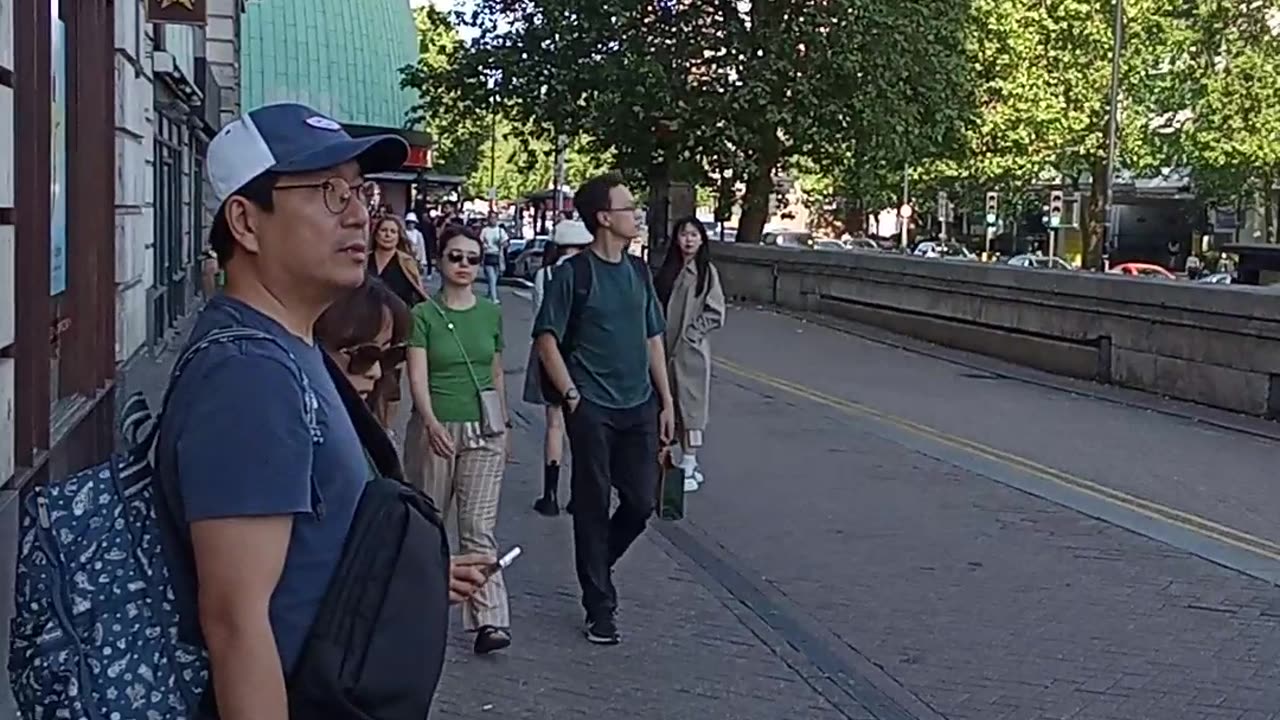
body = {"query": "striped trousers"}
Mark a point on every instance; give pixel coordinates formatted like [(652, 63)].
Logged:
[(465, 487)]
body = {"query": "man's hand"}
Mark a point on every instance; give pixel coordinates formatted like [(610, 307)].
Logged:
[(466, 576), (667, 424)]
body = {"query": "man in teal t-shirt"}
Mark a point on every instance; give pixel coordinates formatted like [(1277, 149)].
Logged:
[(614, 386)]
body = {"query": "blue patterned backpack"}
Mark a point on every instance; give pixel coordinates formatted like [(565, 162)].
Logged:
[(95, 633)]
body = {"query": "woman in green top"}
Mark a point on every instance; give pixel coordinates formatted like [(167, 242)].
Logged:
[(455, 354)]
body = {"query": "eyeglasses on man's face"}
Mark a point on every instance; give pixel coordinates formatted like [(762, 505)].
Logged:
[(339, 192)]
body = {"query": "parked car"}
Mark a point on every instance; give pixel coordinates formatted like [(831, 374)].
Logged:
[(1147, 270), (830, 245), (1215, 279), (1040, 262), (788, 238), (529, 261), (862, 243), (943, 250)]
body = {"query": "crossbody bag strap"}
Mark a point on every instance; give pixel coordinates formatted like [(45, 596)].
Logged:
[(475, 379)]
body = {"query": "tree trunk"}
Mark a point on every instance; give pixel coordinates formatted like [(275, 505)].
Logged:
[(755, 204), (855, 216), (1095, 218)]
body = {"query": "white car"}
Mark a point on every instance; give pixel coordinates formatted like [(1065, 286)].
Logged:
[(1040, 262)]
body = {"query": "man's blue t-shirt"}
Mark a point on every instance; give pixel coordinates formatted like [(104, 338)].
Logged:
[(234, 442)]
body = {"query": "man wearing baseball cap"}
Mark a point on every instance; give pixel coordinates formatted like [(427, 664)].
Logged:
[(261, 477)]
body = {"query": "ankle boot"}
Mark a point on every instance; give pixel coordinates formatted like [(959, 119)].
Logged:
[(548, 504)]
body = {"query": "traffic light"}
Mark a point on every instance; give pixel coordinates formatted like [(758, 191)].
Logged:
[(1055, 208), (993, 208)]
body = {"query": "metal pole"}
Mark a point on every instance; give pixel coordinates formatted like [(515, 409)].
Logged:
[(906, 198), (1108, 209), (493, 153), (558, 179)]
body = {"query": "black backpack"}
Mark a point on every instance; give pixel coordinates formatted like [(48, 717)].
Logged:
[(580, 266), (377, 647)]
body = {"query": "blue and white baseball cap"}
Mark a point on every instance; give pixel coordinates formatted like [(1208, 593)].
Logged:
[(291, 138)]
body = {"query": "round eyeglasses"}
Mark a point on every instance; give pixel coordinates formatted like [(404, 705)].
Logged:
[(339, 192)]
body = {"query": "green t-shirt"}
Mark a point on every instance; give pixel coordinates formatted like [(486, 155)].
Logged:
[(609, 361), (454, 397)]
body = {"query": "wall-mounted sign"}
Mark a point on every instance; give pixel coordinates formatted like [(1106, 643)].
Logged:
[(177, 12), (419, 157)]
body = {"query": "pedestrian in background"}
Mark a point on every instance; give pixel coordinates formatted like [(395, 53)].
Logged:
[(392, 261), (417, 241), (570, 238), (454, 449), (364, 333), (495, 241), (616, 356), (689, 288)]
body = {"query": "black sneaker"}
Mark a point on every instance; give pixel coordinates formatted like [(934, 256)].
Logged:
[(602, 630)]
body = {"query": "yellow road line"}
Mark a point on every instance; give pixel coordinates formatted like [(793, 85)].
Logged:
[(1188, 521)]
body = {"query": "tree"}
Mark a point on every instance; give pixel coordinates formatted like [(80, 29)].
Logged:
[(1232, 128), (474, 135), (720, 89)]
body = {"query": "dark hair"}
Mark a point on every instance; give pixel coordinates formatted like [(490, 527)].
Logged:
[(673, 263), (592, 198), (257, 191), (452, 231), (356, 318)]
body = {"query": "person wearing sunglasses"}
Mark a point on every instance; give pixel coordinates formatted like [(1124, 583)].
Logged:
[(364, 333), (455, 443)]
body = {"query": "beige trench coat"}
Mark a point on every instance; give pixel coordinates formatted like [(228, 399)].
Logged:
[(690, 319)]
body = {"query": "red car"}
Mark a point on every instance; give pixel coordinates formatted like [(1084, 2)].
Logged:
[(1142, 270)]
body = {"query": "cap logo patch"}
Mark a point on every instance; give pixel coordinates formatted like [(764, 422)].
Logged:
[(323, 123)]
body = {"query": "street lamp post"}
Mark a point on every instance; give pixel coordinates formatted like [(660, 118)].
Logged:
[(1108, 231), (903, 214)]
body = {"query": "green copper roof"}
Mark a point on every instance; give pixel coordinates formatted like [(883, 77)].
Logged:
[(339, 56)]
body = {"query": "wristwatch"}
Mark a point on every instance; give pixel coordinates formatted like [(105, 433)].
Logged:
[(570, 395)]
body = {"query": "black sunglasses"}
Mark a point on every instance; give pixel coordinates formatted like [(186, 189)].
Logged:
[(363, 357), (457, 257)]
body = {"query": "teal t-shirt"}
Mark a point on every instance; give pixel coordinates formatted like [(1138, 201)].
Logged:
[(454, 396), (609, 361)]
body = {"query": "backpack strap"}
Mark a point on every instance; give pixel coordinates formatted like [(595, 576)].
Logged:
[(310, 409), (580, 266)]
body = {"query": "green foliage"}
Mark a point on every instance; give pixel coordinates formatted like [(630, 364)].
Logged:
[(471, 125)]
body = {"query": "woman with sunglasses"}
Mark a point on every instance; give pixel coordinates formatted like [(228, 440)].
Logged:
[(364, 333), (455, 445), (392, 261)]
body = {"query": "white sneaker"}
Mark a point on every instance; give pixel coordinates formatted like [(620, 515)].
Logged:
[(690, 483)]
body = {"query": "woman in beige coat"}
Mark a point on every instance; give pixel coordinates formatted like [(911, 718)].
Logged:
[(689, 288)]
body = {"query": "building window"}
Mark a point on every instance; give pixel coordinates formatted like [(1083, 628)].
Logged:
[(168, 298)]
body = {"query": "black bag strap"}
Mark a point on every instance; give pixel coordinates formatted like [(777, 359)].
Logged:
[(580, 265), (373, 437)]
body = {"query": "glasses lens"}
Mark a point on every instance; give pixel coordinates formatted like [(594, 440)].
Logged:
[(393, 356), (361, 359), (337, 193)]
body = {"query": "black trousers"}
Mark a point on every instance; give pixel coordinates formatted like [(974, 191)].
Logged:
[(611, 449)]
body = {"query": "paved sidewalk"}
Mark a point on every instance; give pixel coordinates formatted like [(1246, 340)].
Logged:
[(684, 653)]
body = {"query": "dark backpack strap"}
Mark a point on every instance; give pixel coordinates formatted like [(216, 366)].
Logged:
[(372, 435), (580, 265)]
